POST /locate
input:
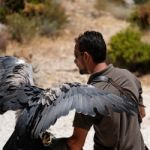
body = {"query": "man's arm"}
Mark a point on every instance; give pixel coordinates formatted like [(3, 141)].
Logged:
[(141, 109), (77, 140)]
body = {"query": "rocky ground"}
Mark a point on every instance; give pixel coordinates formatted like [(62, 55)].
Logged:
[(53, 64)]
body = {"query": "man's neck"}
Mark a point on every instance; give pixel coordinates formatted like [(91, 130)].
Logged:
[(99, 67)]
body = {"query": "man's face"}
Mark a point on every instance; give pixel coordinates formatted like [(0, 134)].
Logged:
[(79, 61)]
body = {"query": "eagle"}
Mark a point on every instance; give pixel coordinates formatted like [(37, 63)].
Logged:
[(40, 108)]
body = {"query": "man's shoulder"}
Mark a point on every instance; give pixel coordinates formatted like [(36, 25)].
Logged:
[(122, 70), (126, 79), (124, 73)]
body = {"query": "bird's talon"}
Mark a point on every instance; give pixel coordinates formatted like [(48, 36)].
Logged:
[(47, 138)]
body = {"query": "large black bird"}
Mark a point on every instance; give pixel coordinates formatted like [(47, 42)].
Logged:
[(42, 107)]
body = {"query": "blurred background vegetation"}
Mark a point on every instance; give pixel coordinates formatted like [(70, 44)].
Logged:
[(126, 49), (30, 17), (26, 19)]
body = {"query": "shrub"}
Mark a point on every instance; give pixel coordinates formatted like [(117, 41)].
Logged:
[(140, 1), (141, 16), (3, 12), (14, 5), (48, 21), (35, 1), (44, 18), (34, 9), (128, 51), (21, 28)]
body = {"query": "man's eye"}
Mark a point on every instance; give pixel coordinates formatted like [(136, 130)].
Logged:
[(76, 56)]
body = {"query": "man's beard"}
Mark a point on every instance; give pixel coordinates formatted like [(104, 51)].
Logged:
[(83, 71)]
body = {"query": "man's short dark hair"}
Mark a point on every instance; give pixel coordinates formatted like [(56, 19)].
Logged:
[(93, 43)]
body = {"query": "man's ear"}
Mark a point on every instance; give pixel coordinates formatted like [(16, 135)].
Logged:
[(87, 57)]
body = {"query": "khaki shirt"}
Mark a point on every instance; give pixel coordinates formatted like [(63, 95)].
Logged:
[(117, 131)]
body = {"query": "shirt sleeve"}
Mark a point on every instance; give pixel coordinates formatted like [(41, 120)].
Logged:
[(140, 91), (83, 121)]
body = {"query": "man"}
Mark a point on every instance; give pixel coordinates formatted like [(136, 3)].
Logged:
[(117, 131)]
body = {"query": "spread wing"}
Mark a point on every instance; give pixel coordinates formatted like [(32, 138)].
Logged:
[(51, 104), (43, 107), (14, 73)]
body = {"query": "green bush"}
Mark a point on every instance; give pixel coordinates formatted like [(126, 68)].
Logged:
[(48, 22), (32, 10), (44, 19), (140, 1), (35, 1), (3, 12), (8, 7), (22, 29), (141, 16), (14, 5), (128, 51)]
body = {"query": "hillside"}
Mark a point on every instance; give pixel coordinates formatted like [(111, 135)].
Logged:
[(59, 51), (43, 53)]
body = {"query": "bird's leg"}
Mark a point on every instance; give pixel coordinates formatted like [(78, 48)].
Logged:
[(47, 138)]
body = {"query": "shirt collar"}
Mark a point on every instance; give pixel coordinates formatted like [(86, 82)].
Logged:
[(102, 72)]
